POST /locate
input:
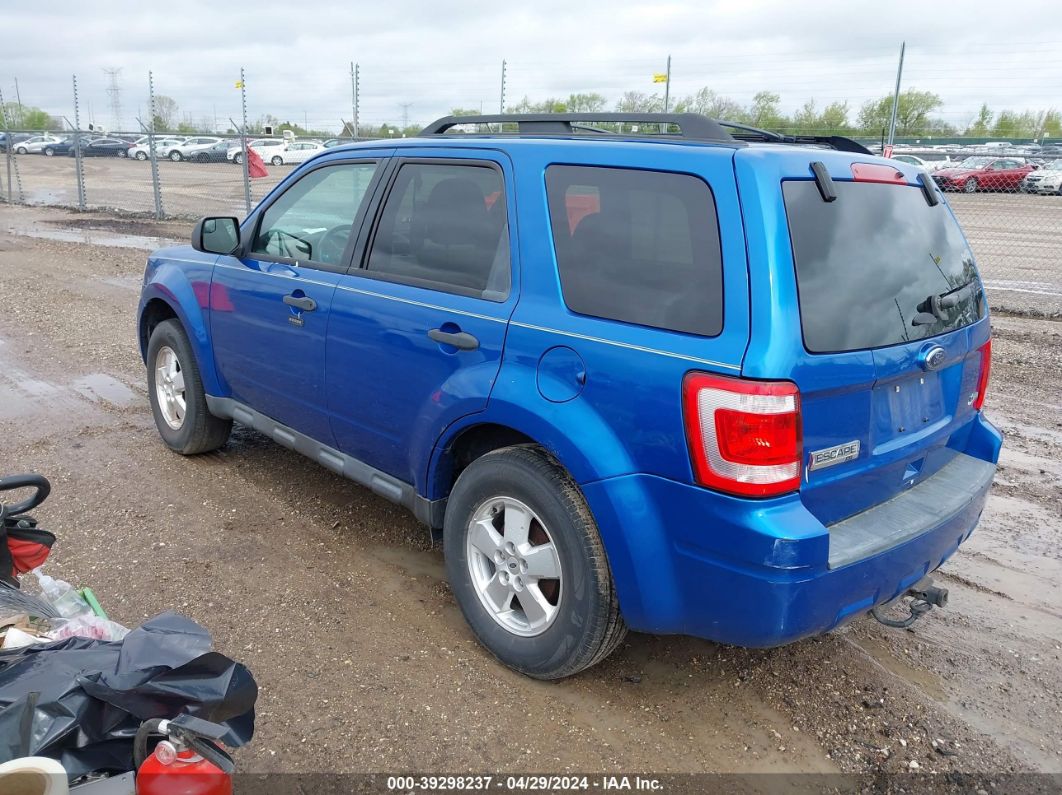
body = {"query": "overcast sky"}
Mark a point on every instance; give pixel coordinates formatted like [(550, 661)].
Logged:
[(446, 53)]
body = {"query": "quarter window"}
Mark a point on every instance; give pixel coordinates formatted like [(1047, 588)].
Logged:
[(313, 219), (445, 227), (640, 247)]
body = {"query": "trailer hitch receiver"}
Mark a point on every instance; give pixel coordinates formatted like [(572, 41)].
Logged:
[(924, 596)]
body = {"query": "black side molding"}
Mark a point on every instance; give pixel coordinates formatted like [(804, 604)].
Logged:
[(928, 190), (824, 181)]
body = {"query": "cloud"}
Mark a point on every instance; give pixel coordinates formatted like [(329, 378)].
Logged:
[(440, 55)]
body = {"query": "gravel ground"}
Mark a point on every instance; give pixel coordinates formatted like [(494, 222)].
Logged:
[(337, 601)]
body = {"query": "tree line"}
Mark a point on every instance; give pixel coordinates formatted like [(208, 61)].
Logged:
[(917, 116)]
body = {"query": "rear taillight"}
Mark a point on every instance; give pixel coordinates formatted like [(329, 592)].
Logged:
[(744, 436), (982, 378)]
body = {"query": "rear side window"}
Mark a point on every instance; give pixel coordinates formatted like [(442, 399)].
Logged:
[(878, 266), (636, 246), (444, 227)]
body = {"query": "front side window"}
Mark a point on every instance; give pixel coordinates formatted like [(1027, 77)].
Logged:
[(313, 219), (639, 247), (444, 227)]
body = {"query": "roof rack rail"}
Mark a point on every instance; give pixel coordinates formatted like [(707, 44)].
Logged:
[(748, 133), (691, 125)]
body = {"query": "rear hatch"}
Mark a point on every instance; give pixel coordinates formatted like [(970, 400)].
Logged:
[(890, 311)]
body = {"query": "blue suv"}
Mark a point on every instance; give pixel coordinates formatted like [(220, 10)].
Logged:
[(649, 372)]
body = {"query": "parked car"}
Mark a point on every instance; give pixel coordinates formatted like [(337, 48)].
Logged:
[(294, 153), (984, 174), (646, 410), (188, 149), (928, 160), (337, 142), (1044, 180), (66, 145), (102, 147), (11, 138), (163, 147), (265, 147), (211, 154), (35, 144)]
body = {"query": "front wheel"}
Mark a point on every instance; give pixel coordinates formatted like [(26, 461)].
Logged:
[(970, 186), (277, 160), (175, 156), (141, 156), (175, 389), (527, 566), (22, 150), (49, 152), (237, 159)]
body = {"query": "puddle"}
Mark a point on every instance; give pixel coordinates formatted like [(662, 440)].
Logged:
[(415, 563), (102, 387), (96, 237)]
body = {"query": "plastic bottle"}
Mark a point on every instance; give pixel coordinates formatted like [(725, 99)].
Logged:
[(63, 596)]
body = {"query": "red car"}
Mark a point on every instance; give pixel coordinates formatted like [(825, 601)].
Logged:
[(984, 173)]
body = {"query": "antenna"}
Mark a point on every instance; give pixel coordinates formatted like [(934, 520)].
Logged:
[(114, 92)]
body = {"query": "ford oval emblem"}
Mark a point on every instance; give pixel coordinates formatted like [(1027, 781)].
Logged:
[(933, 358)]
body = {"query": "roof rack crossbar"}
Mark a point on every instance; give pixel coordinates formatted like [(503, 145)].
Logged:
[(690, 125)]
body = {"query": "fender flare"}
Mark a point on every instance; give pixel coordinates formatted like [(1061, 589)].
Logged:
[(170, 285)]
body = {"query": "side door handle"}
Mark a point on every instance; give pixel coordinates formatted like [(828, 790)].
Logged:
[(303, 302), (461, 340)]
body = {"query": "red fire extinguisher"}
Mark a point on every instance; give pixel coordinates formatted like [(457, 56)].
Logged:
[(187, 761)]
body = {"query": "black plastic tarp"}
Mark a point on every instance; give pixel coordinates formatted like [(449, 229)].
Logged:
[(80, 701)]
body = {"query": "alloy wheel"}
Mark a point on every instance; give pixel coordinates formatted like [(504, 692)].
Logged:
[(169, 387)]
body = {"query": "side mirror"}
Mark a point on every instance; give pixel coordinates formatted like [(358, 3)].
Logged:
[(216, 235)]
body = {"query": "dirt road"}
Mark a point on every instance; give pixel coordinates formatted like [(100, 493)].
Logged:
[(337, 602)]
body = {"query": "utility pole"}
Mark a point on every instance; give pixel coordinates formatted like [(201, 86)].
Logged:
[(501, 105), (405, 115), (667, 85), (355, 90), (896, 97), (114, 92)]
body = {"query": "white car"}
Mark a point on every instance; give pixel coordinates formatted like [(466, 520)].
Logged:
[(295, 152), (930, 161), (36, 144), (163, 146), (265, 147), (190, 147), (1047, 179)]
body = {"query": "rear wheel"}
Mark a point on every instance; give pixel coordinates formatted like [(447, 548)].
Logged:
[(141, 156), (22, 150), (202, 157), (49, 152), (175, 156), (527, 567), (970, 186), (175, 389), (277, 160), (237, 158)]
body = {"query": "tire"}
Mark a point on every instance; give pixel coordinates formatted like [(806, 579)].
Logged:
[(277, 160), (196, 429), (584, 625), (238, 158), (970, 186), (21, 150), (49, 152), (121, 153), (202, 158), (141, 155), (175, 156)]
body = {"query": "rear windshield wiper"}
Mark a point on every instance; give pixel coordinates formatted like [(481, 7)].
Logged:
[(932, 308)]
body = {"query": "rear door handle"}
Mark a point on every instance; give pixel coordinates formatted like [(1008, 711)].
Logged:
[(459, 339), (303, 302)]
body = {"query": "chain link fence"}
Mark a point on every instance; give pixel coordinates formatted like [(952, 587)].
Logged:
[(1007, 194)]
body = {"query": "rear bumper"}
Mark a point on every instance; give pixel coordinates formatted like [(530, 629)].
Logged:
[(758, 573)]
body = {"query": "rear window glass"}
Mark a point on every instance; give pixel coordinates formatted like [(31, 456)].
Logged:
[(636, 246), (878, 266)]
